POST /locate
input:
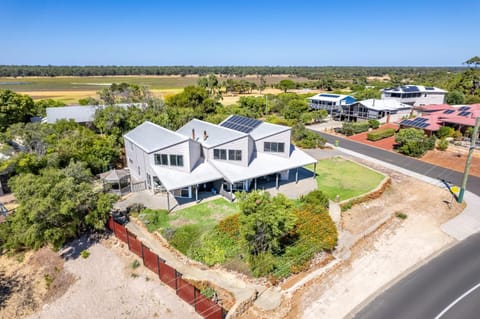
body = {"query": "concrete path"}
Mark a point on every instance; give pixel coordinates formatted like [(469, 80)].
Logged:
[(241, 289)]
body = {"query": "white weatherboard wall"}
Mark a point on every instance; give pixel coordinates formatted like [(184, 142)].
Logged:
[(283, 137), (177, 149), (239, 144), (136, 160), (195, 152)]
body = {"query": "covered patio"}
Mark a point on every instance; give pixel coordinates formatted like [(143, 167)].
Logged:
[(116, 181)]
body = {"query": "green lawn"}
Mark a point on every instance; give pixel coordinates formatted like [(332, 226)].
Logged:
[(205, 215), (337, 176)]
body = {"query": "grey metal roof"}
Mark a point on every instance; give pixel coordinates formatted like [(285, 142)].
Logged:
[(216, 134), (152, 137), (80, 114), (267, 129)]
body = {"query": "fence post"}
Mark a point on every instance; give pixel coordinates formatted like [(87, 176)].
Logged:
[(128, 239), (158, 265), (195, 298)]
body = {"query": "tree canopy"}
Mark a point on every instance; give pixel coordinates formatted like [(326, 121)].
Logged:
[(15, 108), (55, 206)]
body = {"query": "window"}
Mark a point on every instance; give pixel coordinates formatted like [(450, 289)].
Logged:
[(220, 154), (176, 160), (161, 159), (274, 147), (235, 155)]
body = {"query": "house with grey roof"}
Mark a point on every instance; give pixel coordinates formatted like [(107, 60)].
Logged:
[(81, 113), (415, 95), (383, 110), (236, 154)]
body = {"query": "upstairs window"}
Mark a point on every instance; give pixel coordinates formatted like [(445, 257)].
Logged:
[(220, 154), (235, 155), (176, 160), (161, 159), (274, 147)]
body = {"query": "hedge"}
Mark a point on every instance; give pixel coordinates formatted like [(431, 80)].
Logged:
[(350, 128), (380, 134)]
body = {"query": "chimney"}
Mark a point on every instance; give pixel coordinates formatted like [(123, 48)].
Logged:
[(193, 134), (205, 136)]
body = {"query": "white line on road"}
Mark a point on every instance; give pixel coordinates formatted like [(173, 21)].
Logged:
[(457, 301)]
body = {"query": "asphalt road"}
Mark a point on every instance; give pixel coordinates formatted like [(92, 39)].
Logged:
[(430, 170), (446, 287)]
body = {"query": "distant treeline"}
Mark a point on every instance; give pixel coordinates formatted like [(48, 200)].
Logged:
[(310, 72)]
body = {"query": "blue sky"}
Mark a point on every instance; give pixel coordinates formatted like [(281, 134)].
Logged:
[(366, 33)]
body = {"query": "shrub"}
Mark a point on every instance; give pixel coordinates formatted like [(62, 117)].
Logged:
[(305, 138), (185, 236), (442, 144), (445, 131), (208, 292), (315, 198), (262, 264), (413, 142), (401, 215), (214, 247), (374, 123), (380, 134), (135, 208), (230, 225), (350, 128), (457, 135), (135, 264), (85, 254)]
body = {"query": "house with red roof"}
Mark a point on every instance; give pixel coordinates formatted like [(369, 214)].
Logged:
[(434, 116)]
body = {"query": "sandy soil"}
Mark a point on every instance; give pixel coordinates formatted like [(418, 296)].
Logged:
[(384, 255), (29, 280), (109, 287), (454, 159)]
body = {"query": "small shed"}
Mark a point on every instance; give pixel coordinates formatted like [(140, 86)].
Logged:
[(116, 181)]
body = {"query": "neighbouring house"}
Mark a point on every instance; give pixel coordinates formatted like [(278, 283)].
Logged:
[(332, 103), (459, 117), (238, 154), (80, 113), (384, 110), (415, 95)]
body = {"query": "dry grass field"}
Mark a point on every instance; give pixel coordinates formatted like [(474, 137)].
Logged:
[(70, 89)]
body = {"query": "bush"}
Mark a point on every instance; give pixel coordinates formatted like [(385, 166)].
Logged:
[(401, 215), (445, 131), (305, 138), (208, 292), (413, 142), (380, 134), (374, 123), (457, 135), (135, 264), (262, 264), (442, 144), (214, 247), (185, 236), (315, 198), (350, 128), (230, 225), (85, 254)]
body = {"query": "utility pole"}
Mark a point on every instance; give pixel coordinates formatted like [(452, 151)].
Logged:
[(469, 160)]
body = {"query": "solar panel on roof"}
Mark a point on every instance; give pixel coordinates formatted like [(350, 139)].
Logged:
[(330, 95), (464, 113), (411, 88), (429, 88), (464, 108), (448, 111), (241, 123)]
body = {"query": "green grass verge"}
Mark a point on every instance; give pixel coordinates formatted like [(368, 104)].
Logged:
[(337, 176)]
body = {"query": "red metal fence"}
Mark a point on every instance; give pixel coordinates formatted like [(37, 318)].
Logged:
[(203, 306)]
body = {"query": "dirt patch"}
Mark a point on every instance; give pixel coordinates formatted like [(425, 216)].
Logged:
[(406, 195), (111, 284), (28, 281), (453, 159)]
